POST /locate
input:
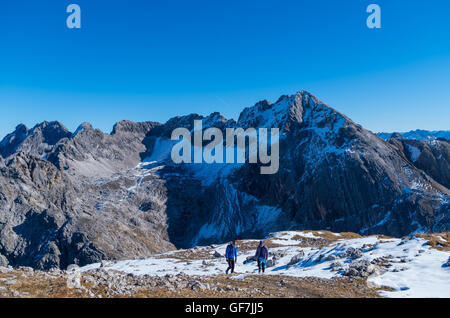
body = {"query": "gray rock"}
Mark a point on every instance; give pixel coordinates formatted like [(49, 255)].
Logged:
[(362, 268), (353, 253), (4, 270), (73, 268), (26, 269), (3, 261), (336, 266), (351, 272), (249, 259), (196, 285), (271, 262), (296, 258), (10, 282), (74, 280), (279, 254), (433, 158)]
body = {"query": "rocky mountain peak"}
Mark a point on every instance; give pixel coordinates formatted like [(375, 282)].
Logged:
[(50, 132), (50, 126), (287, 112), (13, 140), (138, 128), (82, 127), (21, 129), (36, 141)]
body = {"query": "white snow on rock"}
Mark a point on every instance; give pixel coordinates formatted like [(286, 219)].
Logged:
[(411, 268)]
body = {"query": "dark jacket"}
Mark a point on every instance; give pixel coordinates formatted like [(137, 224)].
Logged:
[(262, 252), (231, 252)]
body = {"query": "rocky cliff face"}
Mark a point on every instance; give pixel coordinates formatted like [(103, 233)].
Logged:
[(333, 175), (86, 196), (431, 156)]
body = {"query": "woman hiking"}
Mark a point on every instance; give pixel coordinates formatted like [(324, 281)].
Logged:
[(262, 254), (231, 256)]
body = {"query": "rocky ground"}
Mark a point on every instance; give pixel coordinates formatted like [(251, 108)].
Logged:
[(301, 264), (26, 283)]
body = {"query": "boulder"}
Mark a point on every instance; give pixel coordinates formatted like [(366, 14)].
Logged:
[(73, 268), (74, 280), (3, 261), (249, 259), (271, 262), (353, 253), (336, 266), (361, 268), (351, 272), (196, 285), (296, 258)]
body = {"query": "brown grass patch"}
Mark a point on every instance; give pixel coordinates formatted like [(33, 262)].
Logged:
[(321, 238), (439, 241), (42, 285), (37, 285)]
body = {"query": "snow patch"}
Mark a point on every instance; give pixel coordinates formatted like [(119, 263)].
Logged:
[(416, 269)]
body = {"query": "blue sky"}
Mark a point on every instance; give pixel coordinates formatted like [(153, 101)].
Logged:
[(151, 60)]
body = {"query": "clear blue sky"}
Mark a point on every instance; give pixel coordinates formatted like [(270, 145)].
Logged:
[(151, 60)]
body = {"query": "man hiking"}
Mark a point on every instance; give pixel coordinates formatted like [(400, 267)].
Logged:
[(262, 254), (231, 256)]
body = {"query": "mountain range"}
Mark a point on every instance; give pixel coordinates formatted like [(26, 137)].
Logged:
[(418, 134), (85, 196)]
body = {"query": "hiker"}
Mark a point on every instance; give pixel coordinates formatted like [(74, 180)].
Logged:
[(231, 256), (262, 254)]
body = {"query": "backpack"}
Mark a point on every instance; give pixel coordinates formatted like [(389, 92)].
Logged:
[(229, 252)]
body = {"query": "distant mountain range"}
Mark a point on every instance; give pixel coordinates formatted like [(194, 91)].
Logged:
[(419, 135), (88, 196)]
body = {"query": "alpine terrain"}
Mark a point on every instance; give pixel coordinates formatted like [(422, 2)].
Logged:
[(84, 197)]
